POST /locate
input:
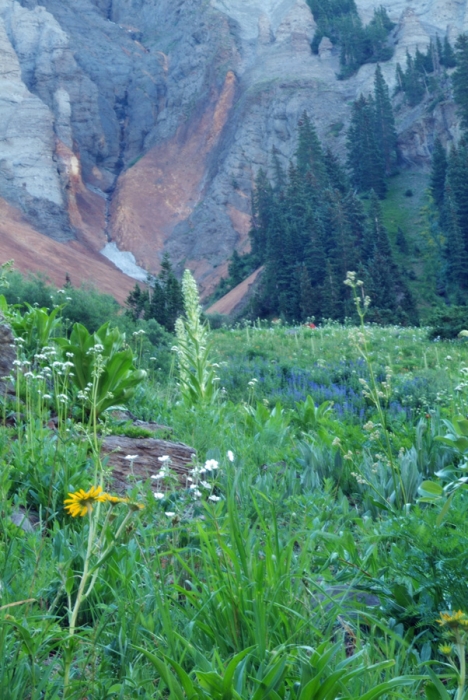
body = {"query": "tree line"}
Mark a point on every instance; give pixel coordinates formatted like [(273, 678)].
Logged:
[(309, 228), (340, 22)]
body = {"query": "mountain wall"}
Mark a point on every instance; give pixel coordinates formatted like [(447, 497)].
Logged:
[(144, 122)]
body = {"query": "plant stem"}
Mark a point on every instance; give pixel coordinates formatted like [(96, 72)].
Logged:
[(462, 676), (76, 608)]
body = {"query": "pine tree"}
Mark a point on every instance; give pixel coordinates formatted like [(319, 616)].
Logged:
[(309, 153), (365, 156), (336, 174), (457, 176), (456, 251), (414, 86), (332, 293), (448, 58), (460, 78), (263, 208), (438, 173), (137, 301), (165, 303), (385, 129), (173, 298)]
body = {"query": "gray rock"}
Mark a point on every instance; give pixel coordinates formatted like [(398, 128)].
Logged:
[(110, 79), (7, 356), (28, 522), (146, 463)]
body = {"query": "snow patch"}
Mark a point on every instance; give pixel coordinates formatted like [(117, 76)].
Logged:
[(125, 261)]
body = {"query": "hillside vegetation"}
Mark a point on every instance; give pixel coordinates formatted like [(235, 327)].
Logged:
[(323, 217), (315, 548)]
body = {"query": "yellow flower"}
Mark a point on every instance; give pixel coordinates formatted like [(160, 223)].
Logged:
[(81, 502), (115, 499), (135, 506), (445, 649), (453, 620)]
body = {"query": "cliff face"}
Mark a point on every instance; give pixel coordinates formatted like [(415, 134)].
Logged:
[(145, 121)]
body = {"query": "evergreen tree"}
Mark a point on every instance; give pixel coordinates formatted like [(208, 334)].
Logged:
[(137, 301), (263, 206), (313, 230), (448, 58), (456, 251), (457, 177), (336, 174), (460, 78), (365, 156), (413, 82), (162, 301), (401, 241), (173, 298), (385, 130), (438, 173), (310, 299), (309, 153), (236, 269)]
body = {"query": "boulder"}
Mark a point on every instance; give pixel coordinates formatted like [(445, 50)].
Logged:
[(146, 463)]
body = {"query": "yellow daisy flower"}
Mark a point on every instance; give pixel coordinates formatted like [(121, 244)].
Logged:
[(445, 649), (81, 502), (116, 499), (453, 620)]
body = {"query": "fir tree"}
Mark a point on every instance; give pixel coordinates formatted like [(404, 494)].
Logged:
[(385, 130), (438, 173), (460, 78), (456, 251), (448, 58), (365, 156), (137, 301), (414, 84), (457, 177), (162, 302)]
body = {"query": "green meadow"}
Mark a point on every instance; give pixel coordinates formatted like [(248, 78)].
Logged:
[(316, 550)]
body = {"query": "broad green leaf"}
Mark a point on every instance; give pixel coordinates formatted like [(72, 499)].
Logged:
[(431, 488)]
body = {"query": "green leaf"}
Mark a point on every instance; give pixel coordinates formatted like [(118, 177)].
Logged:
[(445, 509), (231, 669), (386, 687), (431, 692), (431, 488), (165, 674)]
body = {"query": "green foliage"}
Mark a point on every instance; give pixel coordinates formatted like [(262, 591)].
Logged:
[(311, 674), (198, 381), (425, 73), (36, 327), (81, 305), (162, 302), (339, 21), (448, 321), (460, 80), (310, 230), (372, 139), (280, 573), (103, 370)]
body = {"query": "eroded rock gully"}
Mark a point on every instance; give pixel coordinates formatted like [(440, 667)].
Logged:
[(170, 107)]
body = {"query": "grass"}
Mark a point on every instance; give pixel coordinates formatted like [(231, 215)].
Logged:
[(295, 562)]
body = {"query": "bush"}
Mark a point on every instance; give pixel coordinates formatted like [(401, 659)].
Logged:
[(447, 322)]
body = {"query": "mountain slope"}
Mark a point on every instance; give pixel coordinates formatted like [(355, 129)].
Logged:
[(145, 121)]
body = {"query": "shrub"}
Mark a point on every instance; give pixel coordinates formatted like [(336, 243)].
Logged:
[(448, 321)]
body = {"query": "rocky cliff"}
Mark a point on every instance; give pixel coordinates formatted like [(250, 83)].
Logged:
[(144, 122)]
